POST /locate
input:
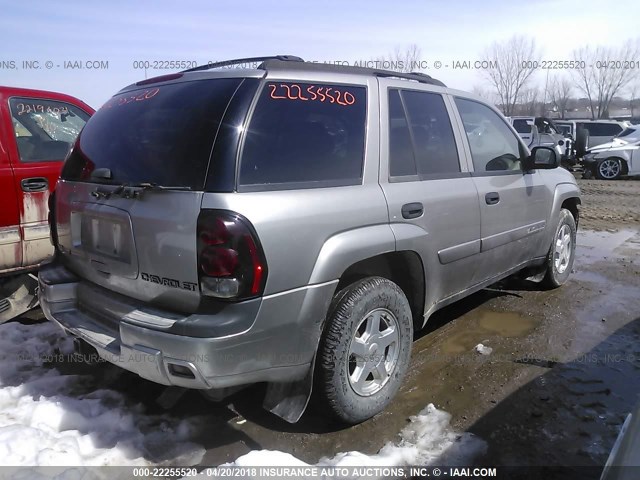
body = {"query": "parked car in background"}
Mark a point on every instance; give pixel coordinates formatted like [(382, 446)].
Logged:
[(619, 157), (567, 127), (601, 131), (37, 129), (300, 224), (545, 133)]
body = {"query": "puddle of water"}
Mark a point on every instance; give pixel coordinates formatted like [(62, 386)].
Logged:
[(489, 323), (594, 246), (507, 324)]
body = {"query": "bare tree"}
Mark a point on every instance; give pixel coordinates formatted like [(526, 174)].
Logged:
[(634, 91), (602, 73), (513, 63), (528, 101), (403, 60), (483, 93), (560, 92)]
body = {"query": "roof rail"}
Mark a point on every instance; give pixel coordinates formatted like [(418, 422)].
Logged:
[(237, 61), (275, 63), (417, 76)]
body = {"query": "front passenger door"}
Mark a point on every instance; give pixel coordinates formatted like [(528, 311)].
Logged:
[(514, 204)]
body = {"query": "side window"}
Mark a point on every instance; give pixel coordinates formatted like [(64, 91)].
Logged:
[(305, 134), (45, 129), (595, 129), (521, 125), (421, 138), (603, 129), (402, 160), (493, 145), (435, 146), (611, 129)]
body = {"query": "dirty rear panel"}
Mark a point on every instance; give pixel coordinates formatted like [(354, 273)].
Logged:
[(143, 248), (140, 241)]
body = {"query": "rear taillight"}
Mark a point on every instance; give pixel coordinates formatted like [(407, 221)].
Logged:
[(231, 262)]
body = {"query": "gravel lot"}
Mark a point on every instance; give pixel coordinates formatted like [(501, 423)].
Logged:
[(610, 205)]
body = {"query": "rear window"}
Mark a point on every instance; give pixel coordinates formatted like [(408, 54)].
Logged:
[(304, 135), (628, 132), (161, 135)]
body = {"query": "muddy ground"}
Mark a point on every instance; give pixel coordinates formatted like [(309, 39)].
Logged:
[(564, 371), (611, 204)]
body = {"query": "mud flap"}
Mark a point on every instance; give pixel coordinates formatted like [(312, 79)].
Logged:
[(289, 400), (17, 295), (537, 275)]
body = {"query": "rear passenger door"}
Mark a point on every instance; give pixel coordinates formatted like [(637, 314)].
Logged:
[(514, 204), (432, 201), (42, 132)]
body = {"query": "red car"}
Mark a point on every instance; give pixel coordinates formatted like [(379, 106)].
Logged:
[(37, 129)]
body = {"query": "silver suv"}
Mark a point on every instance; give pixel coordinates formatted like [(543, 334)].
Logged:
[(293, 224)]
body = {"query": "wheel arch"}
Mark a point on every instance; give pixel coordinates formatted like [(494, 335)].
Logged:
[(573, 205), (404, 268), (624, 164), (566, 195)]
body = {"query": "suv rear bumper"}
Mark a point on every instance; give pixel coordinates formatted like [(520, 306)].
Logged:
[(277, 346)]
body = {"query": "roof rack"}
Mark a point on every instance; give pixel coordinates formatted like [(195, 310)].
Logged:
[(275, 63), (238, 61)]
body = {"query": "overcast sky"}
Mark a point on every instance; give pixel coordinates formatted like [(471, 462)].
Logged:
[(121, 32)]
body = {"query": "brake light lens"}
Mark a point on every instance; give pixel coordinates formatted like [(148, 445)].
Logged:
[(231, 262)]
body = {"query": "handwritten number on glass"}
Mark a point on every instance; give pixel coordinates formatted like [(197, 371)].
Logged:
[(312, 93)]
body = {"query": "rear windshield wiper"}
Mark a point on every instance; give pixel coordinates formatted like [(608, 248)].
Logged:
[(155, 186), (134, 190)]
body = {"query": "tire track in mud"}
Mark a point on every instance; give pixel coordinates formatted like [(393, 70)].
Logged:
[(610, 205)]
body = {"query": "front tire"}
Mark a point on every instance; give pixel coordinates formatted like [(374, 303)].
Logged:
[(562, 252), (365, 349), (609, 169), (588, 173)]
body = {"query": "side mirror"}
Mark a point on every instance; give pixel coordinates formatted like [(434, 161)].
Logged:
[(543, 158)]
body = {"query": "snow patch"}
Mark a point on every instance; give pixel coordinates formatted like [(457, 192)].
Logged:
[(427, 439), (50, 419), (483, 350)]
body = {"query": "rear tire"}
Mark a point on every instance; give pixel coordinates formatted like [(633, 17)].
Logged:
[(365, 350), (562, 251)]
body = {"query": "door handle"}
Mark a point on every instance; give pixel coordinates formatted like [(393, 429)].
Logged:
[(492, 198), (34, 184), (412, 210)]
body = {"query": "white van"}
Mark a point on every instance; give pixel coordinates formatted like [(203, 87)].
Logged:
[(602, 131)]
